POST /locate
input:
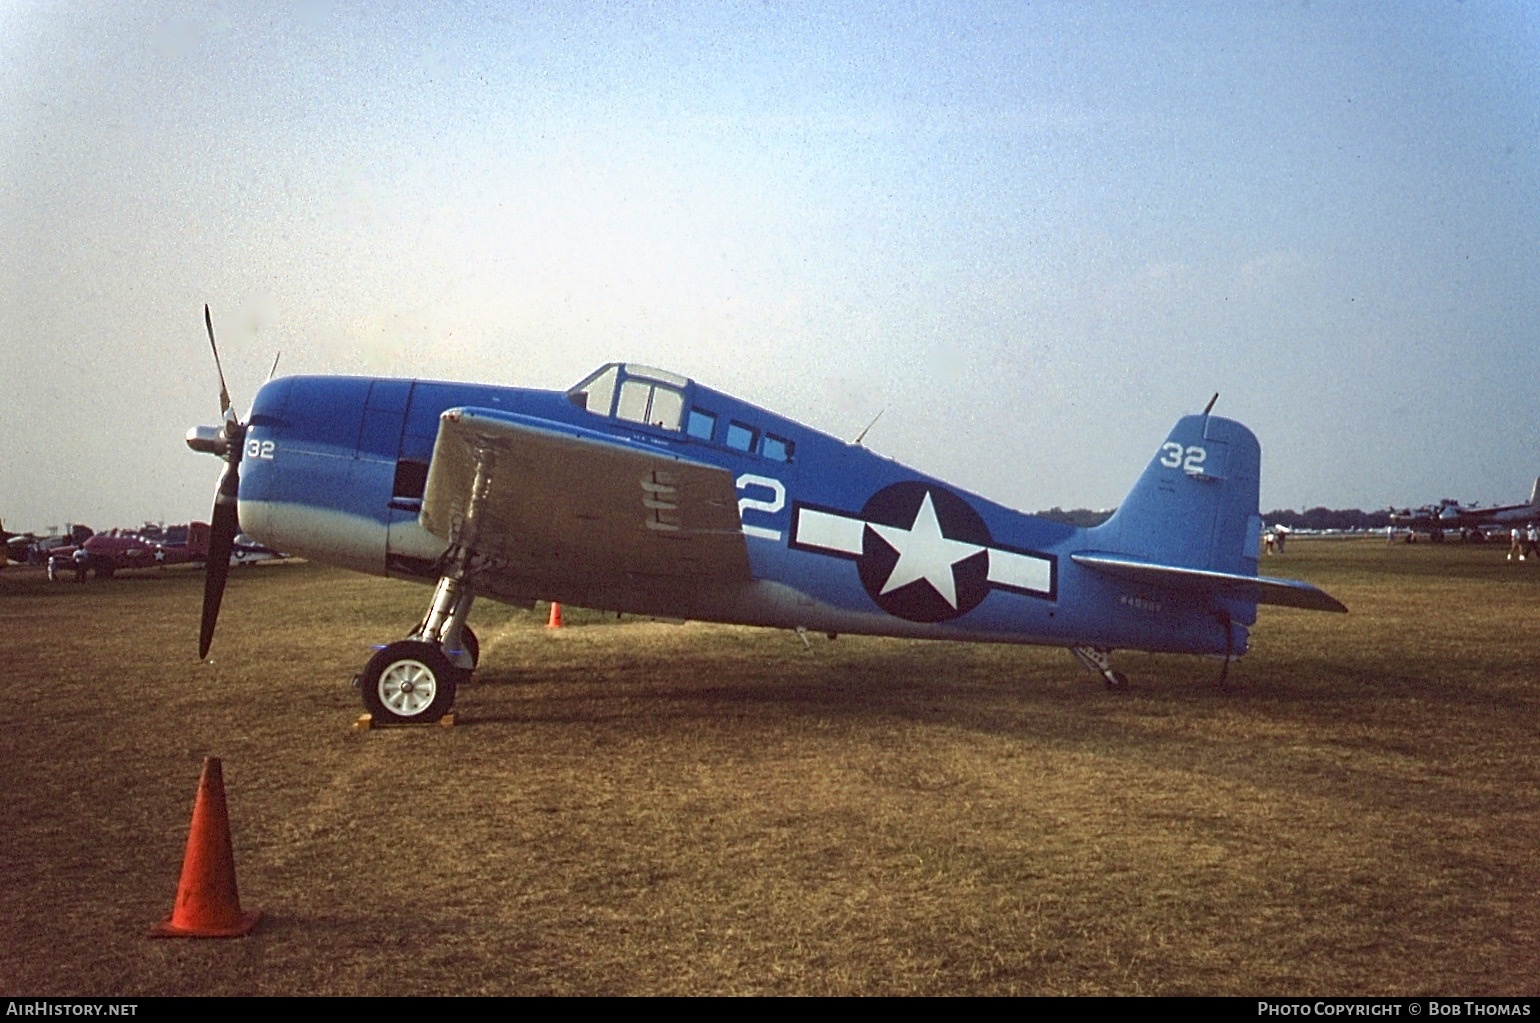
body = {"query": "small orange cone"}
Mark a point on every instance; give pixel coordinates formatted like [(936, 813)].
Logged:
[(555, 622), (207, 904)]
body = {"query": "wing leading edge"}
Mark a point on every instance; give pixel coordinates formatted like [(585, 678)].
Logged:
[(1262, 589), (551, 501)]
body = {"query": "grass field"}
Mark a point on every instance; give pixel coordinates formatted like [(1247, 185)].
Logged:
[(640, 808)]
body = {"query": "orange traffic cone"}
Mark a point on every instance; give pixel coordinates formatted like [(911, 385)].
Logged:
[(555, 622), (207, 904)]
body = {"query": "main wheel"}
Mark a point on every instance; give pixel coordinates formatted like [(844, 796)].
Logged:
[(408, 682)]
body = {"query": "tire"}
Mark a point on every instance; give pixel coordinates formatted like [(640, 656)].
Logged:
[(408, 682)]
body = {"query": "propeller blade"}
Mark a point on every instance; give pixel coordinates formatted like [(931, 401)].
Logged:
[(221, 538), (224, 394)]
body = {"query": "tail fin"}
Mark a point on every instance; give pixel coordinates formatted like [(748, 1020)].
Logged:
[(1196, 504), (198, 539), (1191, 522)]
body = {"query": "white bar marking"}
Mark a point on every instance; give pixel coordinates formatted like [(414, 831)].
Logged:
[(1023, 571), (830, 532)]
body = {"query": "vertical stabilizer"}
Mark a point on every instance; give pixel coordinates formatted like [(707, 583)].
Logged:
[(1195, 506), (1190, 525), (198, 539)]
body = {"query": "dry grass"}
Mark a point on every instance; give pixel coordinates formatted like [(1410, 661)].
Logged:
[(636, 807)]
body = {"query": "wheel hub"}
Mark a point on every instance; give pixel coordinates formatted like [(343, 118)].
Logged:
[(407, 687)]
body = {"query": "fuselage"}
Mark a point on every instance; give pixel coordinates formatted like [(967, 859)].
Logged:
[(838, 539)]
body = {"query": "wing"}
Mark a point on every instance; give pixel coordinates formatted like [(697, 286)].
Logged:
[(1262, 589), (1491, 515), (553, 501)]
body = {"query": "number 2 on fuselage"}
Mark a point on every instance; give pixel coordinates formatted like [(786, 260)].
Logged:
[(775, 503)]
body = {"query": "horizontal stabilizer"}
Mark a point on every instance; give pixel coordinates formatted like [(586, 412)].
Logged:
[(1262, 589)]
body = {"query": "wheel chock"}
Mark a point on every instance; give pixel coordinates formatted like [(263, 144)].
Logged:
[(207, 902), (365, 722)]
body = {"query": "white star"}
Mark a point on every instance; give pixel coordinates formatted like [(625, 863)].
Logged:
[(924, 552)]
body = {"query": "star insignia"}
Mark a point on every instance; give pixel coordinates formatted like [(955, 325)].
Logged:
[(925, 553)]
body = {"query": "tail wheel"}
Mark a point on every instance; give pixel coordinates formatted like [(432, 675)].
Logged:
[(409, 682)]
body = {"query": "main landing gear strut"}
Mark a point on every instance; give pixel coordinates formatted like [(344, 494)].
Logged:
[(1099, 663), (413, 680)]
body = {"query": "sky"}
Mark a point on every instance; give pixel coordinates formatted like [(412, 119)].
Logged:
[(1030, 235)]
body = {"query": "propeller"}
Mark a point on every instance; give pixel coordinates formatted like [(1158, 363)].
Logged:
[(229, 442), (224, 393)]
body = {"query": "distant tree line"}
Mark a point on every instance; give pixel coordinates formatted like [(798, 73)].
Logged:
[(1311, 518), (1326, 518)]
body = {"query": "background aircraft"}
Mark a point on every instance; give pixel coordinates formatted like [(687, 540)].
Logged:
[(105, 554), (642, 491), (32, 548), (246, 551), (1450, 516)]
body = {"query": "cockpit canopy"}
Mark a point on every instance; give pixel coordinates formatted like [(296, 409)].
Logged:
[(638, 394)]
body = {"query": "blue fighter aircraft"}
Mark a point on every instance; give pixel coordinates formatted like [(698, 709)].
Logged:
[(642, 491)]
